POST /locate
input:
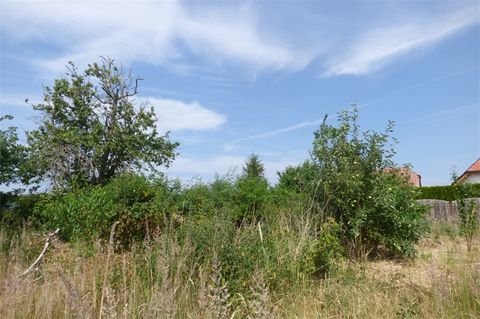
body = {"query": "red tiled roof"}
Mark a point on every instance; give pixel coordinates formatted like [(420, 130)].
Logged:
[(475, 167)]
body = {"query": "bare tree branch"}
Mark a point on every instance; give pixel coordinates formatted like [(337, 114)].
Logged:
[(50, 238)]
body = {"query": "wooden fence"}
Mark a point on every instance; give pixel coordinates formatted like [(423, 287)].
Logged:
[(442, 209)]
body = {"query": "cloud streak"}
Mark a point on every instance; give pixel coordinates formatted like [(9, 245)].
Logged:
[(231, 145), (379, 47), (183, 37), (152, 31)]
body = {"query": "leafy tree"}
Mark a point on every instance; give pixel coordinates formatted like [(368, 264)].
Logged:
[(92, 130), (358, 186), (12, 154)]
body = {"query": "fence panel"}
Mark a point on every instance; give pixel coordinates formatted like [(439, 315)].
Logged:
[(442, 209)]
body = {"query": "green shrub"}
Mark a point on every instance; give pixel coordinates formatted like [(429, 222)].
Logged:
[(394, 219), (88, 213), (320, 254), (357, 186), (81, 214), (468, 211), (299, 179), (223, 192), (252, 194), (17, 209), (196, 199)]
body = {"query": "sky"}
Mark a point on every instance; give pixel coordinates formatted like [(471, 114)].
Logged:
[(232, 78)]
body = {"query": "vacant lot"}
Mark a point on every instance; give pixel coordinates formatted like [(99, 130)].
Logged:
[(155, 281)]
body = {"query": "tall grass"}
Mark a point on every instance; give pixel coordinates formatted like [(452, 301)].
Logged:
[(167, 276)]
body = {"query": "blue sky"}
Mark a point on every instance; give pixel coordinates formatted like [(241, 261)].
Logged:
[(229, 78)]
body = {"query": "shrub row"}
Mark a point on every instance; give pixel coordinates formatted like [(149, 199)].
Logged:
[(447, 193)]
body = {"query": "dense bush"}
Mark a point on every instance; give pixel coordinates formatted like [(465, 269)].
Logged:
[(252, 191), (17, 209), (299, 179), (357, 186), (320, 254), (89, 213)]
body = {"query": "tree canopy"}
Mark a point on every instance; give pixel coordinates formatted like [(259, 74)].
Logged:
[(92, 129), (12, 154), (253, 167)]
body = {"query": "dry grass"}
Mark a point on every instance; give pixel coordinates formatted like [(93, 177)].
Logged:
[(157, 281)]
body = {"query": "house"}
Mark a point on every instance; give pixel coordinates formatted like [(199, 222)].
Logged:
[(414, 178), (472, 174), (405, 171)]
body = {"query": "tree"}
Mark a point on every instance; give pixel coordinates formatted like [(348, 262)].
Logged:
[(92, 130), (359, 187), (12, 154), (253, 167), (252, 188)]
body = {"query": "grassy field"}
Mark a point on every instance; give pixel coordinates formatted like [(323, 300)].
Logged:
[(155, 280)]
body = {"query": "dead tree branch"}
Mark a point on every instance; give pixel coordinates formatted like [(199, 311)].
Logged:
[(50, 238)]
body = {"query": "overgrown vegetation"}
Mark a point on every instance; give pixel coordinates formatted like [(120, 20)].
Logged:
[(146, 246), (468, 210), (162, 277)]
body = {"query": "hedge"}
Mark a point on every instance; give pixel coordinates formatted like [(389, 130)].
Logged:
[(444, 192)]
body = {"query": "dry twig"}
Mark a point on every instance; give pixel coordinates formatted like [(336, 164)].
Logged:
[(50, 237)]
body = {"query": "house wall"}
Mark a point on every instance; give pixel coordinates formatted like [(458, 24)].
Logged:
[(473, 177), (415, 179)]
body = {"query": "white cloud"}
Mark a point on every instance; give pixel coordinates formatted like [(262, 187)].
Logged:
[(174, 115), (377, 47), (150, 31), (181, 35)]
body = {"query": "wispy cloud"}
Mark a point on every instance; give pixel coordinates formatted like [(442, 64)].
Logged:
[(175, 115), (231, 145), (378, 47), (151, 31), (432, 117), (185, 37), (451, 113)]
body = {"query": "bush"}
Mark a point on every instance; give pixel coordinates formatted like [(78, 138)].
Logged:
[(196, 199), (395, 220), (468, 211), (81, 214), (17, 209), (252, 194), (299, 179), (320, 254), (357, 186), (88, 213)]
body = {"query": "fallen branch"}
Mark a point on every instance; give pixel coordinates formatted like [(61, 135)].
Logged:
[(37, 261)]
